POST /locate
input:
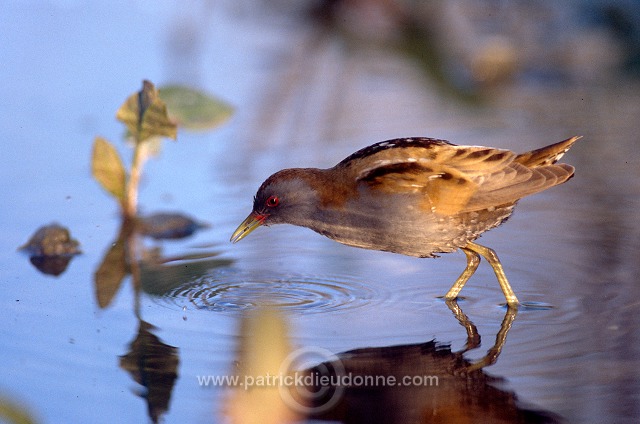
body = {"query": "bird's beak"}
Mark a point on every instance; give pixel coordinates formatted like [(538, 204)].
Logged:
[(252, 222)]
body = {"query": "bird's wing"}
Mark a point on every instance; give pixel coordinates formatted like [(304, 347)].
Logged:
[(447, 176), (454, 179), (529, 173), (498, 190), (547, 155)]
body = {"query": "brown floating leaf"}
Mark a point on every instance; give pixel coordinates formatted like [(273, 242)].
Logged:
[(51, 248), (51, 241), (108, 169), (145, 115), (168, 226)]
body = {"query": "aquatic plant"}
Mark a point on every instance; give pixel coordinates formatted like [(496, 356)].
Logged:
[(148, 120)]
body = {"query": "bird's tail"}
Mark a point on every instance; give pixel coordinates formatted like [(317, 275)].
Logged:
[(546, 155)]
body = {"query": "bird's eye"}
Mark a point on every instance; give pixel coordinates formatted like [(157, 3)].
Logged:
[(272, 201)]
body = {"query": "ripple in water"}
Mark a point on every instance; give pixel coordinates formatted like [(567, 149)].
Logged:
[(241, 291)]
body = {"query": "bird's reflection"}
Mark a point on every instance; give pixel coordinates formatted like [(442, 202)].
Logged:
[(450, 389), (473, 337), (443, 385)]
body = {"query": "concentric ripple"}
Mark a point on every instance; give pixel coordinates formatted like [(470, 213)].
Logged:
[(228, 291)]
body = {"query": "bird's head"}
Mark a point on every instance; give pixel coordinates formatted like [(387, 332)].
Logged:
[(287, 197)]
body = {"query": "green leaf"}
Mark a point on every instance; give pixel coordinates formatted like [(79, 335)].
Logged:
[(145, 115), (193, 109), (107, 168)]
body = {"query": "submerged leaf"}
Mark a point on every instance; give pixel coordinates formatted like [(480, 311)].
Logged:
[(193, 109), (145, 115), (160, 278), (107, 168)]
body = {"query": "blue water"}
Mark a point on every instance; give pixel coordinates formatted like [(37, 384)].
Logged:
[(302, 98)]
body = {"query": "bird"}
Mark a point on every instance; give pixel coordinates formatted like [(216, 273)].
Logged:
[(414, 196)]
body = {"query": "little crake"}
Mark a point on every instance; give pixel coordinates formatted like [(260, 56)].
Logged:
[(414, 196)]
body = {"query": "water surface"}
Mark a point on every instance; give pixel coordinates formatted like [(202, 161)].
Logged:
[(303, 98)]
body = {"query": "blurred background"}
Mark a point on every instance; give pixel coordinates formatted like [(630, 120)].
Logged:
[(311, 82)]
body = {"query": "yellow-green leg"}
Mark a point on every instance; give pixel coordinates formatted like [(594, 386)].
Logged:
[(473, 250), (473, 260)]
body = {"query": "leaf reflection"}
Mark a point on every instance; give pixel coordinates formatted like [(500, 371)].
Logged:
[(154, 365), (150, 362), (149, 269)]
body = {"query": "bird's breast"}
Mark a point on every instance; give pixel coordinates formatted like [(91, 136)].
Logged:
[(395, 223)]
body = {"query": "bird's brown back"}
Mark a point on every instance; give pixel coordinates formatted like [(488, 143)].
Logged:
[(456, 179)]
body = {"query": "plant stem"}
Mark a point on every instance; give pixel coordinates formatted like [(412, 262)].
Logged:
[(131, 205)]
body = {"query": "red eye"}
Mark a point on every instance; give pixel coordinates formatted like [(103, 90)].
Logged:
[(273, 201)]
